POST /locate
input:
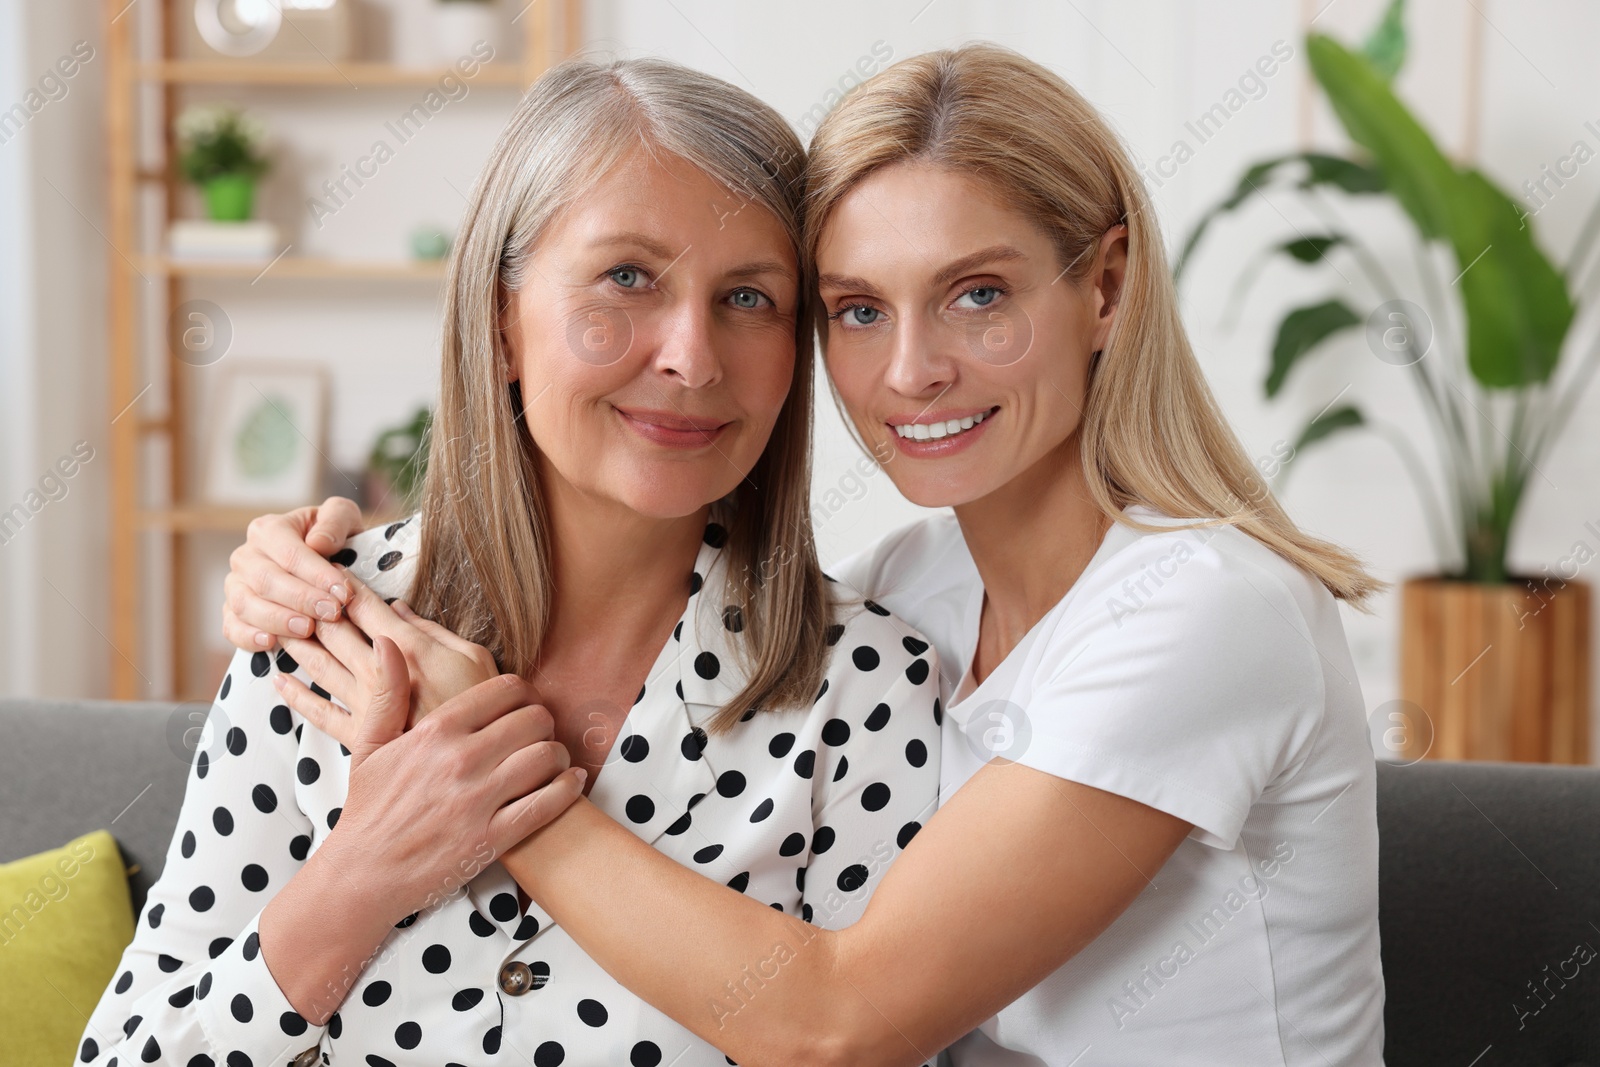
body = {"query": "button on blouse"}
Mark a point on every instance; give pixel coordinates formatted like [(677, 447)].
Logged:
[(800, 808)]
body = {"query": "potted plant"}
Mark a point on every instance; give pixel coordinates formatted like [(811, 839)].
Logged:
[(396, 466), (1494, 664), (220, 152)]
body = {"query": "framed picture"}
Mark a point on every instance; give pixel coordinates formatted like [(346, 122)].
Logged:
[(267, 434)]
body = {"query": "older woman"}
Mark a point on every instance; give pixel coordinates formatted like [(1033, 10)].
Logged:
[(615, 517)]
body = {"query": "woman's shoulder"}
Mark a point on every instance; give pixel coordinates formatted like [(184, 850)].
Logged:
[(930, 550), (384, 556)]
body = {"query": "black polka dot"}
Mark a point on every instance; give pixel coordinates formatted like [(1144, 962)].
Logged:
[(202, 764), (307, 770), (541, 973), (793, 845), (740, 881), (839, 771), (387, 561), (640, 808), (292, 1023), (733, 619), (834, 632), (527, 927), (835, 732), (730, 783), (375, 994), (202, 898), (918, 671), (466, 1000), (218, 946), (227, 686), (187, 846), (680, 824), (677, 631), (333, 816), (343, 557), (716, 534), (938, 712), (875, 796), (916, 752), (388, 531), (408, 1035), (300, 847), (645, 1054), (634, 748), (491, 1040), (151, 1051), (694, 743), (155, 915), (780, 745), (914, 646), (592, 1012), (252, 946), (266, 800), (707, 666), (236, 741), (374, 1060), (852, 878), (90, 1050), (222, 821), (503, 906), (124, 981), (131, 1025), (549, 1054), (822, 840), (203, 986), (695, 583), (436, 959), (335, 1026), (239, 1059), (821, 692), (182, 997), (763, 809), (805, 763), (640, 696), (865, 657), (480, 926), (241, 1008), (707, 854), (409, 920), (279, 719), (260, 664)]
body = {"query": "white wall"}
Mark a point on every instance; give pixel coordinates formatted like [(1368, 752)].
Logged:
[(1151, 66)]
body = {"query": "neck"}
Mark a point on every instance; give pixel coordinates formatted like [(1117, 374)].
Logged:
[(618, 577), (1030, 540)]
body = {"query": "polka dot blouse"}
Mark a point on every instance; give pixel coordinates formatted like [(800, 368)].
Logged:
[(802, 809)]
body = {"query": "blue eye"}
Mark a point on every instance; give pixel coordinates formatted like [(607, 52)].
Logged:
[(859, 315), (748, 299), (627, 277), (982, 296)]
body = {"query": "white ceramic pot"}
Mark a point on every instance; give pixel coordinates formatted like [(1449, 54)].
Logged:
[(460, 24)]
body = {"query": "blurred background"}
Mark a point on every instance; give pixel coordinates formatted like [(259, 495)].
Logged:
[(221, 231)]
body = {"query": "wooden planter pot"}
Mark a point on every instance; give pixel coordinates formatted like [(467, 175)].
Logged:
[(1499, 672)]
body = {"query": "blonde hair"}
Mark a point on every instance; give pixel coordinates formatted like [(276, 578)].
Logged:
[(484, 565), (1151, 433)]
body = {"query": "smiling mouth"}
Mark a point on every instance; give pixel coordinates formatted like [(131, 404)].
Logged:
[(933, 431)]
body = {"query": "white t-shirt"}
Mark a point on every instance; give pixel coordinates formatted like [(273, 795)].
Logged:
[(1198, 672)]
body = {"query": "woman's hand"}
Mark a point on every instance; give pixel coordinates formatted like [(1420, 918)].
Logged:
[(278, 585), (429, 808), (433, 665)]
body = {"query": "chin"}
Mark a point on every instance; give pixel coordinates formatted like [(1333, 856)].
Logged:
[(949, 491)]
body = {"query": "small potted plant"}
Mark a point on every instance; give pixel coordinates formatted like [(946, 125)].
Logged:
[(220, 152), (396, 466)]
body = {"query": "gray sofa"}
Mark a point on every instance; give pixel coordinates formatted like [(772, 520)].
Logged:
[(1489, 878)]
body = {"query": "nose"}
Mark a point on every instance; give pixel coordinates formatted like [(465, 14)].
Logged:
[(919, 360), (687, 349)]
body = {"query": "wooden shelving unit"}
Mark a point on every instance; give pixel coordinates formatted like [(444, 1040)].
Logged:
[(147, 400)]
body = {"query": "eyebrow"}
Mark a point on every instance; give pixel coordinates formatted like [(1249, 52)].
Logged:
[(965, 265), (638, 240)]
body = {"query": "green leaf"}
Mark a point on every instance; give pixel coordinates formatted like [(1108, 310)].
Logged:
[(1385, 46), (1516, 303), (1319, 169), (1311, 249), (1330, 422), (1302, 330)]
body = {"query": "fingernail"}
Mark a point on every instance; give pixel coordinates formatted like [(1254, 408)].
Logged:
[(263, 639), (300, 626), (278, 682), (326, 611), (583, 775), (340, 591)]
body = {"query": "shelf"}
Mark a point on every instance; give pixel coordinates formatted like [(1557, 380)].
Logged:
[(197, 518), (358, 75), (300, 267)]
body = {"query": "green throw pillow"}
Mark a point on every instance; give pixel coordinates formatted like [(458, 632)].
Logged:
[(65, 917)]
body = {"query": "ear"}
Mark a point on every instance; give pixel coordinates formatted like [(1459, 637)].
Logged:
[(1111, 264), (507, 320)]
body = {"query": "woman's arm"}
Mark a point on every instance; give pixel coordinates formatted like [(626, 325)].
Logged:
[(1010, 879)]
